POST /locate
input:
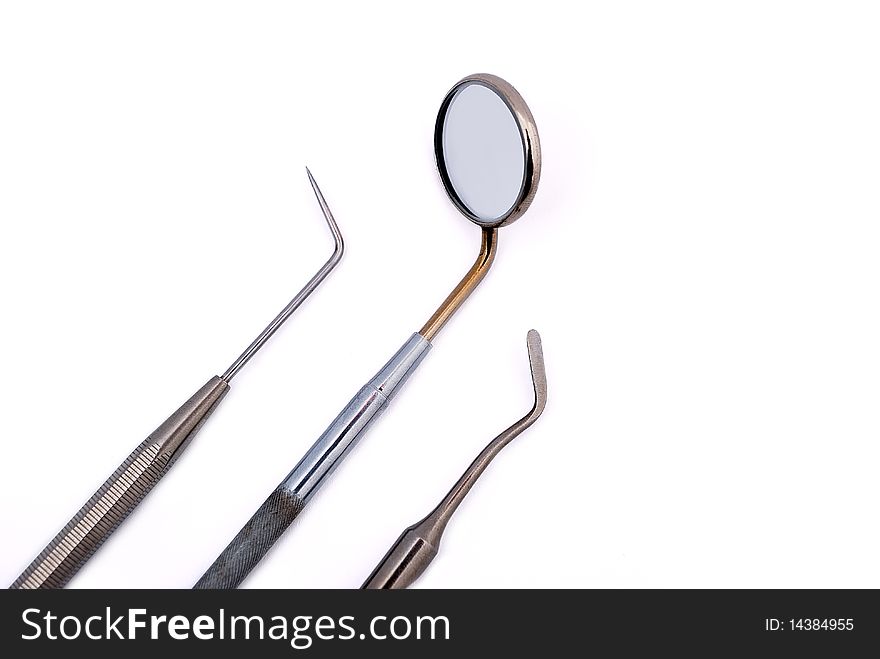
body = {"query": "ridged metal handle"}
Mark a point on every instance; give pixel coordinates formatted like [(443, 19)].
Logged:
[(121, 493)]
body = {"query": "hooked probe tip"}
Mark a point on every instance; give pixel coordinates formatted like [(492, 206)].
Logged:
[(339, 246)]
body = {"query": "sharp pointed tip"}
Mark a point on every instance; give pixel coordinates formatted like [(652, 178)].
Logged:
[(328, 216), (317, 191)]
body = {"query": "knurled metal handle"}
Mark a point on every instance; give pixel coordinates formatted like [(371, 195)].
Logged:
[(97, 519), (121, 493), (253, 541), (288, 499)]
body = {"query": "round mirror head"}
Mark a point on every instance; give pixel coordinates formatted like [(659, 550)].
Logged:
[(487, 150)]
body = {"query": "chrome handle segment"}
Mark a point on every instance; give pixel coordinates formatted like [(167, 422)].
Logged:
[(257, 536), (341, 436)]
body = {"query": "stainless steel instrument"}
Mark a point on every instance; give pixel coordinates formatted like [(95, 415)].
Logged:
[(148, 463), (417, 546), (489, 159)]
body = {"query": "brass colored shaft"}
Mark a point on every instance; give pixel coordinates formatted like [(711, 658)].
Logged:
[(465, 287)]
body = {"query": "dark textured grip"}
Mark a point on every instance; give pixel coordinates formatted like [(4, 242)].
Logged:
[(253, 541), (97, 519)]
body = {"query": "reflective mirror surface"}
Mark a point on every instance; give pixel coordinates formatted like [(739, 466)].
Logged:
[(486, 148), (483, 152)]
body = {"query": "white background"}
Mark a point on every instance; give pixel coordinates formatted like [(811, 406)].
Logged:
[(701, 260)]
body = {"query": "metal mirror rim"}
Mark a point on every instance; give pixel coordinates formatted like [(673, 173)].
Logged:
[(528, 134)]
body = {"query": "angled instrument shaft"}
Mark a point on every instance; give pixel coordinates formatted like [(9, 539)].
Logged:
[(519, 145), (417, 546), (65, 555), (290, 498)]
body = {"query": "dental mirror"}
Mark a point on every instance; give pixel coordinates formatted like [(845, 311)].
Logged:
[(487, 150)]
